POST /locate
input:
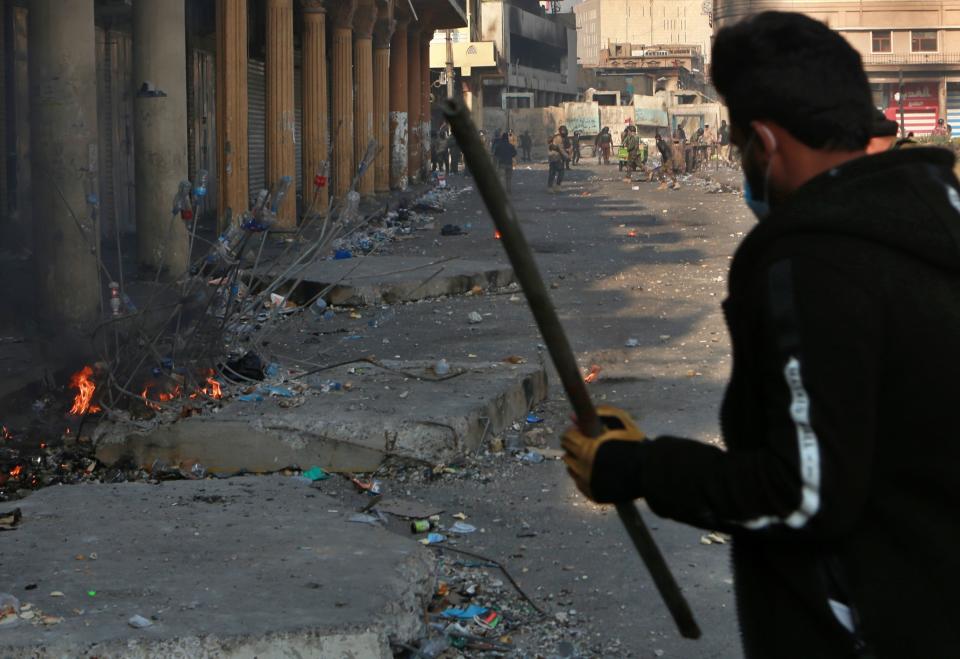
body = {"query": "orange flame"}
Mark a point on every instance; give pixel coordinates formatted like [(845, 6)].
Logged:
[(213, 390), (85, 386), (16, 471), (6, 433), (496, 235), (146, 401)]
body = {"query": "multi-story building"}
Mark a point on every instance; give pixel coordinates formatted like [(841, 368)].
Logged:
[(910, 50), (603, 22), (513, 53)]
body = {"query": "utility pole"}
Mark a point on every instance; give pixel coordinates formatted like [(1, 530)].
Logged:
[(450, 85), (903, 126)]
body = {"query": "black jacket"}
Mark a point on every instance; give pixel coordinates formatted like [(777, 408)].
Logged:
[(840, 478)]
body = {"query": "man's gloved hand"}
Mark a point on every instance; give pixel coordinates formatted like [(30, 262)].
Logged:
[(606, 468)]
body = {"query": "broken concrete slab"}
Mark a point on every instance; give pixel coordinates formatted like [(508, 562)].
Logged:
[(392, 279), (398, 409), (242, 567)]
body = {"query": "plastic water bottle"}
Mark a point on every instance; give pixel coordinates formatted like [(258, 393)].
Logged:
[(200, 189), (279, 193), (115, 298), (319, 308), (181, 201)]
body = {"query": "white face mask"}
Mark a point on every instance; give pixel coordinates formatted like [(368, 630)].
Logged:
[(760, 206)]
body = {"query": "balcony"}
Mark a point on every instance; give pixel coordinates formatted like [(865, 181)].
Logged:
[(910, 59)]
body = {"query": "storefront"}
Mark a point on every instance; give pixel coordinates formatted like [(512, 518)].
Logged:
[(920, 105)]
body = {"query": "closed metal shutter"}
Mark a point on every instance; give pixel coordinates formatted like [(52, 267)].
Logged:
[(953, 106), (256, 121), (201, 122), (298, 132)]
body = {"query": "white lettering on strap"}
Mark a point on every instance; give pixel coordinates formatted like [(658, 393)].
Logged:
[(809, 449)]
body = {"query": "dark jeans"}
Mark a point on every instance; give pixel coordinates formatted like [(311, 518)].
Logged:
[(454, 162), (555, 176), (526, 153)]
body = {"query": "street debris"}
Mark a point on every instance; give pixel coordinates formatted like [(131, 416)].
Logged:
[(474, 318), (139, 622), (10, 519)]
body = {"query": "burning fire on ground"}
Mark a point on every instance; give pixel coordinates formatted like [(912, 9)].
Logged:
[(83, 382), (211, 388)]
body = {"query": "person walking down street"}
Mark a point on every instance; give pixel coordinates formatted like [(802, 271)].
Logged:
[(603, 144), (526, 145), (838, 476), (454, 151), (558, 153), (439, 151), (723, 135), (576, 147), (504, 154), (709, 143), (632, 144), (567, 147), (665, 168)]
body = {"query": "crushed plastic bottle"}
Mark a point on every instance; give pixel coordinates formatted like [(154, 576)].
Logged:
[(319, 308), (279, 193)]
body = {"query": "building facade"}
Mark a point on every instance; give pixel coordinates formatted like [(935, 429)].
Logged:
[(910, 50), (601, 23), (331, 93)]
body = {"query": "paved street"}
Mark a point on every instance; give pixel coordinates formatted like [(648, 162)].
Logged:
[(623, 264)]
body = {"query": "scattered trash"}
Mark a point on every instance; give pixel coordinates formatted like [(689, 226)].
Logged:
[(533, 418), (139, 622), (442, 367), (460, 516), (515, 359), (253, 397), (532, 457), (451, 230), (9, 520), (276, 390), (316, 474), (712, 538), (636, 187), (488, 620), (632, 343), (473, 318), (468, 613), (462, 528), (361, 518), (593, 375), (371, 487), (249, 366), (433, 539), (422, 526), (340, 254), (9, 608)]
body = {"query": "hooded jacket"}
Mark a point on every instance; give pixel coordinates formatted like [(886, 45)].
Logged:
[(840, 480)]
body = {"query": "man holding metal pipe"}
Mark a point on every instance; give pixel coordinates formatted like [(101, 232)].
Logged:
[(839, 480)]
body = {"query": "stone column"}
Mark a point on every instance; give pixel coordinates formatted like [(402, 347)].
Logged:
[(382, 33), (63, 105), (232, 163), (316, 143), (343, 96), (19, 104), (363, 22), (281, 123), (425, 165), (413, 102), (160, 133), (3, 116), (399, 131)]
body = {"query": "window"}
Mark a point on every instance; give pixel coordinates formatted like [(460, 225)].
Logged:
[(923, 41), (881, 41)]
